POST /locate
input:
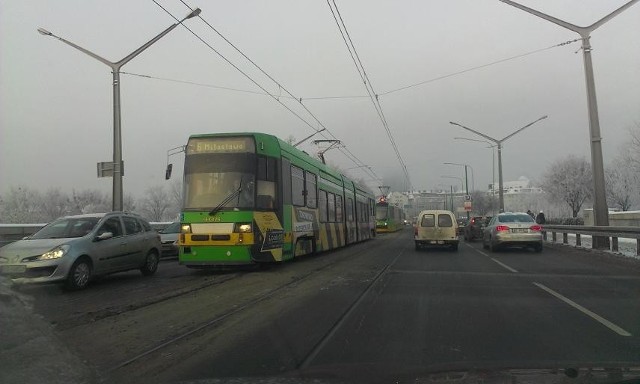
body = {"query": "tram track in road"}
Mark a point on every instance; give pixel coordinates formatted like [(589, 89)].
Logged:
[(227, 315), (345, 315)]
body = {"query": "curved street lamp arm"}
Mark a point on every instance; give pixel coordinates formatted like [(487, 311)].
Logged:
[(476, 132), (521, 129), (552, 19)]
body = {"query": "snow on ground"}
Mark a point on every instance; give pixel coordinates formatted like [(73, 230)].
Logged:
[(626, 247)]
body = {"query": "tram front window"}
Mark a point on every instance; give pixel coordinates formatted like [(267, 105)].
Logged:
[(214, 179), (381, 212)]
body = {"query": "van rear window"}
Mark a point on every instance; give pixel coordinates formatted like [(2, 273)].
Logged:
[(428, 220), (445, 221)]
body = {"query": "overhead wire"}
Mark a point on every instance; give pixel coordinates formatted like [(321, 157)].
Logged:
[(479, 67), (368, 85), (355, 96), (236, 67), (344, 150)]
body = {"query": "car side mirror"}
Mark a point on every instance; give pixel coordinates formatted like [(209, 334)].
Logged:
[(104, 236), (167, 173)]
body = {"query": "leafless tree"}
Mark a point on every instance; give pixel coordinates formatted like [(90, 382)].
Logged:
[(569, 180), (89, 201), (21, 205), (622, 176), (175, 199), (155, 203), (55, 204)]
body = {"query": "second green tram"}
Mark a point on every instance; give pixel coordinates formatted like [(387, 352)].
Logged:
[(252, 198), (389, 218)]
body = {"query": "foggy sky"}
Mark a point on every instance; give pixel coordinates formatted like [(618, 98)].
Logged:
[(56, 103)]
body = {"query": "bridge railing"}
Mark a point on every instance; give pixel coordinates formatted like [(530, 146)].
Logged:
[(613, 233), (12, 232)]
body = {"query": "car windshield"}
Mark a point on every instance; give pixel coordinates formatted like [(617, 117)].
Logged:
[(171, 228), (515, 218), (67, 228)]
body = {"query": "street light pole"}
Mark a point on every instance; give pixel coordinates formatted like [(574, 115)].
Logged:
[(493, 166), (466, 179), (499, 143), (600, 208), (115, 68)]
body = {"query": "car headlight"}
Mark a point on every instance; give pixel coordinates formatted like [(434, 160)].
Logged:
[(243, 227), (55, 253), (185, 228)]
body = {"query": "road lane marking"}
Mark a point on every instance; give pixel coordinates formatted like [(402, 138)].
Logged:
[(584, 310), (503, 265)]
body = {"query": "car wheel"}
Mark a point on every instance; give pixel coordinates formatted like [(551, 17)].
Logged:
[(79, 275), (484, 244), (454, 247), (150, 264), (538, 248), (417, 246), (493, 247)]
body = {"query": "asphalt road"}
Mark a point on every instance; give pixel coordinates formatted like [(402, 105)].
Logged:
[(374, 312)]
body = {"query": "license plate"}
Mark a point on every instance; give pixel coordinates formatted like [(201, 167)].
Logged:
[(13, 269), (520, 230)]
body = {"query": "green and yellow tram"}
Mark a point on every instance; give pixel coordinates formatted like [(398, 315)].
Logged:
[(389, 218), (252, 198)]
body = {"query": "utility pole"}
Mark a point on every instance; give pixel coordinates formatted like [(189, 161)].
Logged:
[(600, 207)]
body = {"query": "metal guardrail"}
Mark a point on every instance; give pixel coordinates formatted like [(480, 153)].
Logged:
[(614, 233), (12, 232)]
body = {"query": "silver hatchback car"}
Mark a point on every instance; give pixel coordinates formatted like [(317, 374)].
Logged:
[(512, 229), (73, 249)]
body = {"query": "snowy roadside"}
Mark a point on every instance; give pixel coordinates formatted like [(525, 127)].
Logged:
[(626, 247), (29, 350)]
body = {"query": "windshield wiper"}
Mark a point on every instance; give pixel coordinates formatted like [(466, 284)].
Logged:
[(226, 200)]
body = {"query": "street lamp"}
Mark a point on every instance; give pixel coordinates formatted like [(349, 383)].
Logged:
[(455, 177), (493, 163), (499, 143), (600, 208), (493, 166), (466, 179), (117, 170), (473, 183)]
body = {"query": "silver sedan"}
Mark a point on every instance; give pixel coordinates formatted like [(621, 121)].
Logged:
[(516, 229)]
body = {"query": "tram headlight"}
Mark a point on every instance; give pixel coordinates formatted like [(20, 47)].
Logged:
[(243, 228), (185, 228)]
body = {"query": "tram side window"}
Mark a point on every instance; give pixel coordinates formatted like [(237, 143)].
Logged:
[(297, 186), (266, 191), (339, 208), (311, 181), (322, 205), (349, 209), (331, 207), (364, 215)]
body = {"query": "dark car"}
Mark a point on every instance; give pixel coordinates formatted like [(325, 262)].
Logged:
[(475, 226), (461, 224)]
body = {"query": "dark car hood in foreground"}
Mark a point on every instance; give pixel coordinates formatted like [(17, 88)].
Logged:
[(384, 373)]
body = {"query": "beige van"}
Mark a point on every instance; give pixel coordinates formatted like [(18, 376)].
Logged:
[(436, 228)]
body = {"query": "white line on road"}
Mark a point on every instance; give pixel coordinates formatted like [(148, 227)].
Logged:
[(584, 310), (503, 265)]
